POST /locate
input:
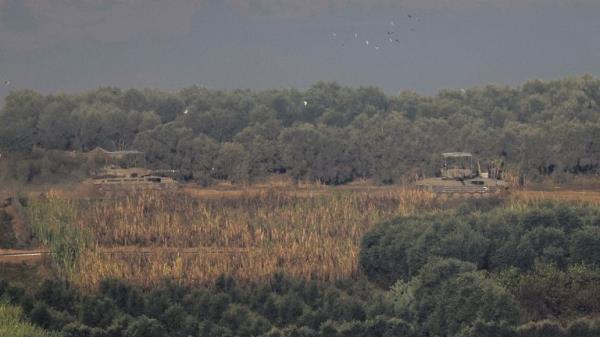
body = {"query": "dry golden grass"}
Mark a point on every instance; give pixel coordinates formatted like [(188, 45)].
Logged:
[(194, 236)]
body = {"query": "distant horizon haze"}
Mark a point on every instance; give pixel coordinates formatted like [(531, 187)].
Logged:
[(71, 46)]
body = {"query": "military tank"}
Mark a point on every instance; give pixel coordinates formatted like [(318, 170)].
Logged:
[(459, 176), (114, 178)]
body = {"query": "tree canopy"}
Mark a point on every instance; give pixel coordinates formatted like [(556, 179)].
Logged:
[(330, 133)]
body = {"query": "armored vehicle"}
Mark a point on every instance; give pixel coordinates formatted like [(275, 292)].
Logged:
[(458, 175), (112, 178)]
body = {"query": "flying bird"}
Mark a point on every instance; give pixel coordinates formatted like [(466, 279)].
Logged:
[(7, 83), (185, 112), (305, 103), (376, 47), (367, 42), (356, 35)]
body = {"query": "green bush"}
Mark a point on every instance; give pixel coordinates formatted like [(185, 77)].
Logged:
[(585, 245), (493, 240), (584, 327), (12, 324), (449, 295), (145, 327), (541, 329)]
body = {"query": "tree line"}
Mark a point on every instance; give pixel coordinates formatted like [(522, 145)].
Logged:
[(328, 133)]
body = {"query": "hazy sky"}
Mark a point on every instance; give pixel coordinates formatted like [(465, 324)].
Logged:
[(73, 45)]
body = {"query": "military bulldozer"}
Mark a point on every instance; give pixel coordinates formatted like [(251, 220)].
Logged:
[(459, 176)]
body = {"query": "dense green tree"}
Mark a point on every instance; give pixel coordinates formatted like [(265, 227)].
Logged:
[(449, 295), (585, 245), (97, 311), (127, 297), (145, 327), (329, 132), (541, 329), (19, 119), (56, 294), (308, 153)]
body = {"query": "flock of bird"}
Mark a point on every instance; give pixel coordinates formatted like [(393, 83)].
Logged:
[(390, 35)]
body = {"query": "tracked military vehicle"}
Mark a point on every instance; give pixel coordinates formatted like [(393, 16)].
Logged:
[(113, 178), (459, 176)]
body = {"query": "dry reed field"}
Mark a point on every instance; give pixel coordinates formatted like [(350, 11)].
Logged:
[(194, 235), (586, 196), (150, 236)]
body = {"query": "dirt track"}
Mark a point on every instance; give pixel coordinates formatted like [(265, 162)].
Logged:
[(19, 256)]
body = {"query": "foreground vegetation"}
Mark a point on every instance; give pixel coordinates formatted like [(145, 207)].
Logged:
[(536, 262), (486, 268), (150, 236), (328, 133), (12, 324)]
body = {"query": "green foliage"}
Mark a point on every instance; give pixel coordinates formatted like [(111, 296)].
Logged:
[(7, 234), (493, 240), (145, 327), (51, 222), (448, 296), (482, 273), (12, 324), (127, 298), (548, 291), (585, 245), (584, 327), (340, 134), (97, 311), (57, 294), (297, 308), (488, 329), (41, 316), (514, 271), (541, 329)]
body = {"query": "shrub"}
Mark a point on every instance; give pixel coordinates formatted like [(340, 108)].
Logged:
[(57, 294), (97, 311), (449, 295), (40, 315), (145, 327), (584, 327), (488, 329), (541, 329), (13, 325), (585, 245)]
